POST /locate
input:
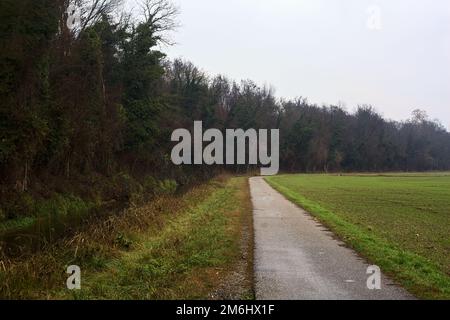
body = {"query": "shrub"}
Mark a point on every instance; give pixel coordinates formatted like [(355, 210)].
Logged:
[(160, 187), (126, 187), (22, 206), (168, 187)]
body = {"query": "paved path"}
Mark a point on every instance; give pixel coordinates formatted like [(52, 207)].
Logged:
[(297, 258)]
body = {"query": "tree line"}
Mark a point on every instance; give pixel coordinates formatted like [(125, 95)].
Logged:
[(102, 98)]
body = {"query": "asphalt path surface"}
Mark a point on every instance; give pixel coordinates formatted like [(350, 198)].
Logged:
[(296, 258)]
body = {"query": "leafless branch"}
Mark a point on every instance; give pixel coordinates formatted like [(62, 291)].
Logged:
[(91, 11), (160, 16)]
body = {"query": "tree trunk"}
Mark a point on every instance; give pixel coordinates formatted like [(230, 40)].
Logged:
[(68, 168), (25, 178)]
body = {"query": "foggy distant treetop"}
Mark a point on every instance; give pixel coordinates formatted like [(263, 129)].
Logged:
[(328, 51)]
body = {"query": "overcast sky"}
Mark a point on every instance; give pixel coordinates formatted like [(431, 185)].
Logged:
[(392, 54)]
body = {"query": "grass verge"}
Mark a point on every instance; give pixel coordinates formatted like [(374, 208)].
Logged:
[(420, 275), (172, 248)]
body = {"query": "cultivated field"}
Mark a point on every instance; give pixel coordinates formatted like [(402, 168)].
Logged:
[(399, 221)]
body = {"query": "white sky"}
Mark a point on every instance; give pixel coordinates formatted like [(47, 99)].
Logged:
[(324, 50)]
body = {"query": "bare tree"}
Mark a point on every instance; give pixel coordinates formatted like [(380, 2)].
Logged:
[(419, 116), (89, 12), (160, 16)]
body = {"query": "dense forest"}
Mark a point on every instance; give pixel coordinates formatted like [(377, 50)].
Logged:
[(81, 106)]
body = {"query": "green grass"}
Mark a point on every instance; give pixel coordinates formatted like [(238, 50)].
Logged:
[(399, 221), (17, 224), (174, 263), (58, 207), (173, 248)]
